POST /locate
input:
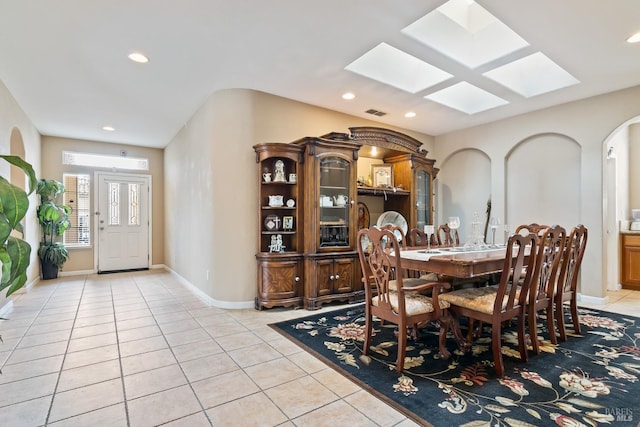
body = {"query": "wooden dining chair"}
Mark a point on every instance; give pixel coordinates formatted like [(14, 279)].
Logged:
[(551, 242), (566, 289), (533, 228), (504, 301), (417, 237), (404, 307), (411, 279), (446, 236)]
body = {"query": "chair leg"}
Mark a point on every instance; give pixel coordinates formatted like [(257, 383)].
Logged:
[(368, 328), (496, 345), (560, 319), (446, 323), (533, 331), (550, 323), (522, 344), (402, 347), (574, 314)]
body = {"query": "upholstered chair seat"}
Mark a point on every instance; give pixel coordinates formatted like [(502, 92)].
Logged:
[(477, 299), (414, 303)]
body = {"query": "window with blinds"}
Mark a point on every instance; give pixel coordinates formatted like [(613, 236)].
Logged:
[(76, 195)]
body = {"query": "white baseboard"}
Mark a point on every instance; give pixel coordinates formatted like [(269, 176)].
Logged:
[(207, 299), (592, 300), (76, 273)]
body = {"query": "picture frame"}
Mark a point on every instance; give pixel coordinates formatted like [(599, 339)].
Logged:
[(287, 223), (382, 175)]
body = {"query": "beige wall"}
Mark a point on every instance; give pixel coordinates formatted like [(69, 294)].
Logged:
[(14, 120), (216, 229), (587, 122), (82, 259)]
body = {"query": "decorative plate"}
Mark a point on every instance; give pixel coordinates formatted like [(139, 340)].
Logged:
[(291, 203), (395, 218), (272, 223), (363, 216)]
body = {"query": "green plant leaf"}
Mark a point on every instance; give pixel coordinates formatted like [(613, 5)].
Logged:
[(19, 251), (5, 259), (14, 201), (5, 228), (26, 167), (17, 283)]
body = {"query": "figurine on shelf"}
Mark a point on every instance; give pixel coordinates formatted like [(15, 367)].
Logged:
[(279, 175), (276, 244)]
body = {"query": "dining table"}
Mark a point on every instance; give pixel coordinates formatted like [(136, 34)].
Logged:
[(455, 261)]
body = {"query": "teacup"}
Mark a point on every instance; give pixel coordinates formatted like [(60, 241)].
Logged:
[(266, 176), (292, 177)]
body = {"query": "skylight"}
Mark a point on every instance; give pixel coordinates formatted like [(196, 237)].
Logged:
[(466, 32), (391, 66), (467, 98), (532, 75)]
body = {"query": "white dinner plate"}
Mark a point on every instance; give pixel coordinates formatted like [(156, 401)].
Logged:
[(394, 218)]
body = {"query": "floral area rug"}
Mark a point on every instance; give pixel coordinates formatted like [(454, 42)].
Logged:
[(590, 380)]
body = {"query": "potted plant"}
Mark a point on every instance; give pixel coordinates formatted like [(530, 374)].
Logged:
[(14, 252), (54, 221)]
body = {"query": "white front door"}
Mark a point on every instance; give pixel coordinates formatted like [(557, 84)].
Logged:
[(122, 221)]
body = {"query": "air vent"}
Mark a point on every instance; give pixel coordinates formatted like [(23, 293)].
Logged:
[(376, 112)]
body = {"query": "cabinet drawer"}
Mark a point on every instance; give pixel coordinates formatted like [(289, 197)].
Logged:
[(631, 240)]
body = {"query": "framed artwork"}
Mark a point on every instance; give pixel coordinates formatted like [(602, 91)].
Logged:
[(287, 223), (382, 175)]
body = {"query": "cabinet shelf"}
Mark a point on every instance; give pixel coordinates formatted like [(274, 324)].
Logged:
[(287, 208), (278, 183), (332, 187), (381, 191), (278, 232)]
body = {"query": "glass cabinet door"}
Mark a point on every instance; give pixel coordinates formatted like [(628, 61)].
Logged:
[(423, 198), (335, 202)]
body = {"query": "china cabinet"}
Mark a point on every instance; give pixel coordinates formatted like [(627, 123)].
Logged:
[(330, 225), (280, 278), (310, 202), (413, 173)]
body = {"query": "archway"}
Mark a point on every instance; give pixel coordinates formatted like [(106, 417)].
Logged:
[(615, 199)]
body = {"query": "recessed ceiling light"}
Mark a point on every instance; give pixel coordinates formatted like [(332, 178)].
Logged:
[(108, 128), (348, 96), (410, 115), (138, 57), (634, 38)]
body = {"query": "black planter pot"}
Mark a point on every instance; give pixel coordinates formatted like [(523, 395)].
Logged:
[(48, 270)]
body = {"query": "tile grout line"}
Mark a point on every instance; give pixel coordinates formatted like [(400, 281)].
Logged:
[(204, 411), (115, 326), (64, 357), (4, 362)]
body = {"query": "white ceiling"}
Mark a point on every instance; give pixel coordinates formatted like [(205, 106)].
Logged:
[(65, 61)]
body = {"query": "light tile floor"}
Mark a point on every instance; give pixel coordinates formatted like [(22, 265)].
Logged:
[(140, 349)]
